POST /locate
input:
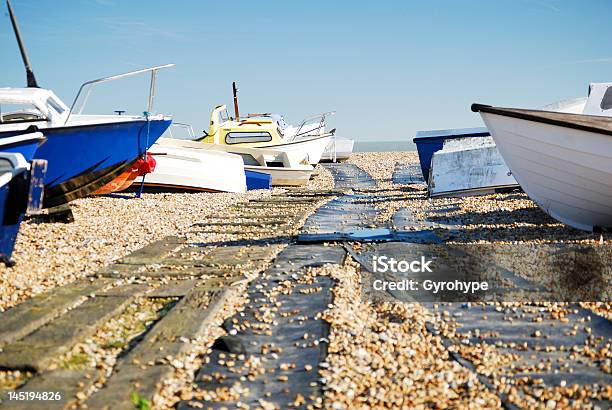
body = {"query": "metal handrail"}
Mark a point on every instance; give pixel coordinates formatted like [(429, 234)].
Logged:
[(310, 119), (323, 114), (188, 127), (88, 84)]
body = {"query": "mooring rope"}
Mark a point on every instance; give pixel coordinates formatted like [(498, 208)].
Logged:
[(144, 154)]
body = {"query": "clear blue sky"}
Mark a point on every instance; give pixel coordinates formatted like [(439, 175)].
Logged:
[(388, 68)]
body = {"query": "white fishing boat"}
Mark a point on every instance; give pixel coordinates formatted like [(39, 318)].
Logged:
[(83, 152), (184, 168), (468, 166), (563, 161), (286, 168), (338, 150)]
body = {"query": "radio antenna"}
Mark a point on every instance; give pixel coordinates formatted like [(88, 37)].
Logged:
[(24, 55)]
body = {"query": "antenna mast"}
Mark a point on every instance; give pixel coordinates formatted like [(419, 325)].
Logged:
[(235, 92), (24, 55)]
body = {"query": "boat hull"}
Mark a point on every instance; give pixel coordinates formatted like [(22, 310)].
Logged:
[(290, 169), (83, 158), (467, 167), (18, 194), (284, 176), (9, 227), (313, 147), (24, 144), (339, 149), (126, 179), (257, 180), (428, 142), (566, 171), (194, 170)]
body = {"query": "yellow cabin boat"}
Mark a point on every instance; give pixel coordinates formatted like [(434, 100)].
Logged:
[(267, 131)]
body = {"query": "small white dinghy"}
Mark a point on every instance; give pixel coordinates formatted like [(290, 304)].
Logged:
[(184, 168), (468, 166), (338, 150), (562, 161), (286, 168)]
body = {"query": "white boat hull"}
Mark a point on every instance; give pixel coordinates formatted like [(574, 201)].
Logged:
[(291, 171), (469, 166), (313, 147), (198, 170), (566, 171), (284, 176), (339, 149)]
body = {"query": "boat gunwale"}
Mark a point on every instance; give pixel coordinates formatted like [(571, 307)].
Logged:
[(22, 142), (52, 129), (474, 132), (531, 115)]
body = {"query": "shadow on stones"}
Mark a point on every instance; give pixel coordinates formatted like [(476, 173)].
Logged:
[(247, 242)]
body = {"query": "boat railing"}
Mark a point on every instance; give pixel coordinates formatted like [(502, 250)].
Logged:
[(320, 118), (182, 125), (88, 86)]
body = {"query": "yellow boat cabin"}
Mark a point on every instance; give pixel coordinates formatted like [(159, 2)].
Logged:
[(269, 131)]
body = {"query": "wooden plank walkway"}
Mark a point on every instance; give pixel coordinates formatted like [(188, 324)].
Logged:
[(197, 270)]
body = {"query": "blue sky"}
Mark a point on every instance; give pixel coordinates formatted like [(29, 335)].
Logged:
[(388, 68)]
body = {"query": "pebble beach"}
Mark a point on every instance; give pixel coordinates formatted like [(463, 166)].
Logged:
[(104, 230), (381, 353)]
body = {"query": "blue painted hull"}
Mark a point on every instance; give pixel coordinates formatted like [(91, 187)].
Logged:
[(258, 180), (15, 198), (26, 148), (83, 158), (8, 229), (434, 141)]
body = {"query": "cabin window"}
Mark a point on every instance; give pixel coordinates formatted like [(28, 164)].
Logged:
[(244, 137), (606, 101)]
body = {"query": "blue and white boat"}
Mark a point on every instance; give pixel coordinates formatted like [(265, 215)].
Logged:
[(84, 152), (428, 142), (469, 166), (21, 188)]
